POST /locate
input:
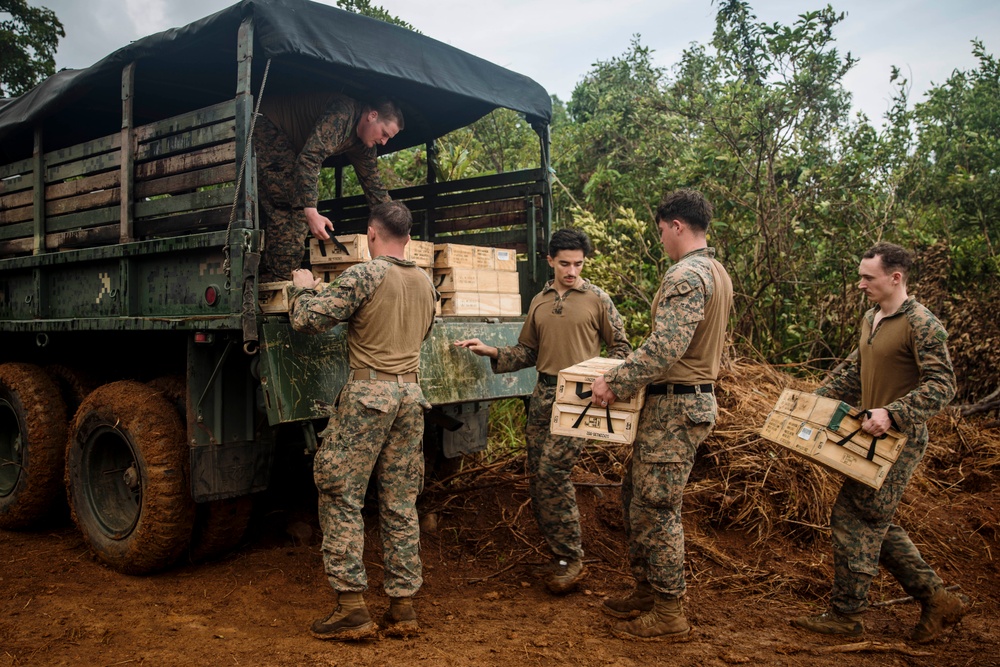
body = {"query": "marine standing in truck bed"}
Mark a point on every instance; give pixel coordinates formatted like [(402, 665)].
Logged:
[(292, 138)]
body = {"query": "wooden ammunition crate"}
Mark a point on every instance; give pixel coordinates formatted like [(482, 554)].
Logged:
[(420, 253), (355, 249), (508, 283), (594, 425), (826, 431), (273, 297), (453, 255), (510, 305), (504, 259), (574, 384), (485, 258), (487, 280), (456, 280), (460, 303)]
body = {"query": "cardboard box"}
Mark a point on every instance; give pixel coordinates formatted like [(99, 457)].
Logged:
[(420, 253), (573, 384), (508, 283), (453, 255), (456, 280), (504, 259), (351, 248), (826, 432), (566, 420), (510, 305), (485, 258)]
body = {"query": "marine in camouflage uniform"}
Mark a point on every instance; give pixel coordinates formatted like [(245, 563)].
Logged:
[(566, 324), (293, 136), (376, 427), (677, 366), (903, 368)]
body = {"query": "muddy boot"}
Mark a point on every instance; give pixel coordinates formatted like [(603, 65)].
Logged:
[(831, 623), (566, 575), (401, 619), (348, 621), (665, 622), (940, 611), (640, 600)]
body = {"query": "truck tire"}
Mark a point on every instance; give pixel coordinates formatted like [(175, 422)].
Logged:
[(73, 384), (127, 478), (219, 526), (32, 442)]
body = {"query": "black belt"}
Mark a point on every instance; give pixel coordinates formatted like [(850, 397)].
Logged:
[(550, 380), (656, 389)]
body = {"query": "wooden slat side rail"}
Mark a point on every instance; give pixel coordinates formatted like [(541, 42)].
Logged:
[(92, 148), (82, 186), (186, 141), (15, 168), (86, 167), (199, 159), (186, 182), (16, 183), (188, 121)]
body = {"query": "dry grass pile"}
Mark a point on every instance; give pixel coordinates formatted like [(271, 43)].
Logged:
[(741, 484)]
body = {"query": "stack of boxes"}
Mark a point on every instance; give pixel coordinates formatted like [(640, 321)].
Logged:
[(331, 258), (828, 432), (574, 415), (475, 280)]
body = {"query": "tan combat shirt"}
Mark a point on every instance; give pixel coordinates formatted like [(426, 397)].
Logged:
[(561, 331)]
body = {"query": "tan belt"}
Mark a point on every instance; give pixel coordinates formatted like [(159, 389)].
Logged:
[(372, 374)]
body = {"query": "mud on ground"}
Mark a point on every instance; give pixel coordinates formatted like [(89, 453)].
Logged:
[(479, 605)]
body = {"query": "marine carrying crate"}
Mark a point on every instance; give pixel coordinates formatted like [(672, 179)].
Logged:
[(574, 415), (828, 432)]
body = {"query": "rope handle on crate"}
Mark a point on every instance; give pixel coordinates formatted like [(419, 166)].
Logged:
[(875, 438)]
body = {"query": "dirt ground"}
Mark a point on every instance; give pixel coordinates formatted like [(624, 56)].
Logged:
[(480, 604)]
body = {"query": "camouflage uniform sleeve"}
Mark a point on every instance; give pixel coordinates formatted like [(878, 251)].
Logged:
[(937, 384), (332, 128), (845, 386), (525, 353), (681, 308), (315, 312), (613, 328), (365, 162)]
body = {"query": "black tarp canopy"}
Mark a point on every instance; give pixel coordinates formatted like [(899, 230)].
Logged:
[(312, 46)]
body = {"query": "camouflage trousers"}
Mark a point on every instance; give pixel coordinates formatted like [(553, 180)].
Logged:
[(864, 536), (285, 229), (550, 462), (669, 432), (377, 429)]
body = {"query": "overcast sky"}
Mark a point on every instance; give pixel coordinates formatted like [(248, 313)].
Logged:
[(555, 42)]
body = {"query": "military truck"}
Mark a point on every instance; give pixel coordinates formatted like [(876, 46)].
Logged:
[(139, 377)]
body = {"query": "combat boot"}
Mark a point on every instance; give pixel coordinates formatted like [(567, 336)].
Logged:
[(665, 622), (831, 623), (566, 575), (348, 621), (940, 611), (400, 619), (640, 600)]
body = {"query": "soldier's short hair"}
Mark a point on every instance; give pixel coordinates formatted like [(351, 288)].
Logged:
[(892, 256), (392, 217), (687, 205), (388, 111), (570, 239)]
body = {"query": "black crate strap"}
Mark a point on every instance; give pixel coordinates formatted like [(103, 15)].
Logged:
[(875, 438), (576, 424), (337, 244)]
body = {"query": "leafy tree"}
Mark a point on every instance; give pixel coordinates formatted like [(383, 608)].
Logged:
[(366, 8), (28, 40)]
